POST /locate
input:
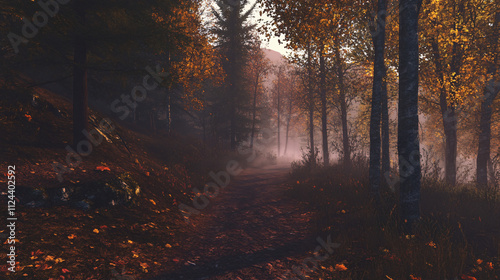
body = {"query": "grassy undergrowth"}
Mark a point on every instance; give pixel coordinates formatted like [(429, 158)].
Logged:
[(458, 236)]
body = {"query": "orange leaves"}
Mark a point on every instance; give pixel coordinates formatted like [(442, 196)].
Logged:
[(330, 268), (34, 255), (44, 266), (340, 267), (28, 117), (466, 277), (432, 244), (102, 168), (144, 267)]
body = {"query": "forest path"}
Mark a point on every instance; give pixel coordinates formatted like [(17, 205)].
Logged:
[(251, 230)]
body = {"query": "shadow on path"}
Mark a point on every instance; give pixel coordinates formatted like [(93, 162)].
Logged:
[(252, 230)]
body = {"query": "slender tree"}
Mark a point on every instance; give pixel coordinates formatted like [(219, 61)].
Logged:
[(324, 112), (310, 101), (378, 36), (278, 93), (408, 140), (259, 67), (343, 106), (491, 91), (288, 119)]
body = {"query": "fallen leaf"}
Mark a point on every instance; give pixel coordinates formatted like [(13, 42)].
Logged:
[(340, 267), (102, 168), (96, 230)]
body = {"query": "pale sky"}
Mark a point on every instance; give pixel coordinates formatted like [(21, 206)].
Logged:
[(273, 43)]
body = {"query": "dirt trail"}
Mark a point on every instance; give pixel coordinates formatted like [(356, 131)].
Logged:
[(252, 230)]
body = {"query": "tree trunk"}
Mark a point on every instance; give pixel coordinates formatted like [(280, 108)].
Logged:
[(386, 160), (378, 37), (343, 110), (324, 114), (449, 120), (233, 121), (490, 93), (450, 149), (254, 111), (483, 153), (408, 141), (80, 91), (288, 124), (311, 107), (279, 111)]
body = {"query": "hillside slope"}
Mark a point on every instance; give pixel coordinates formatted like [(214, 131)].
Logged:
[(114, 211)]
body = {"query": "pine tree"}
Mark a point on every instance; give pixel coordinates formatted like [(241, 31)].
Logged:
[(234, 41)]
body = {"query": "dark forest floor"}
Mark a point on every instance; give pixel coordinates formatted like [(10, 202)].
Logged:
[(252, 230)]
